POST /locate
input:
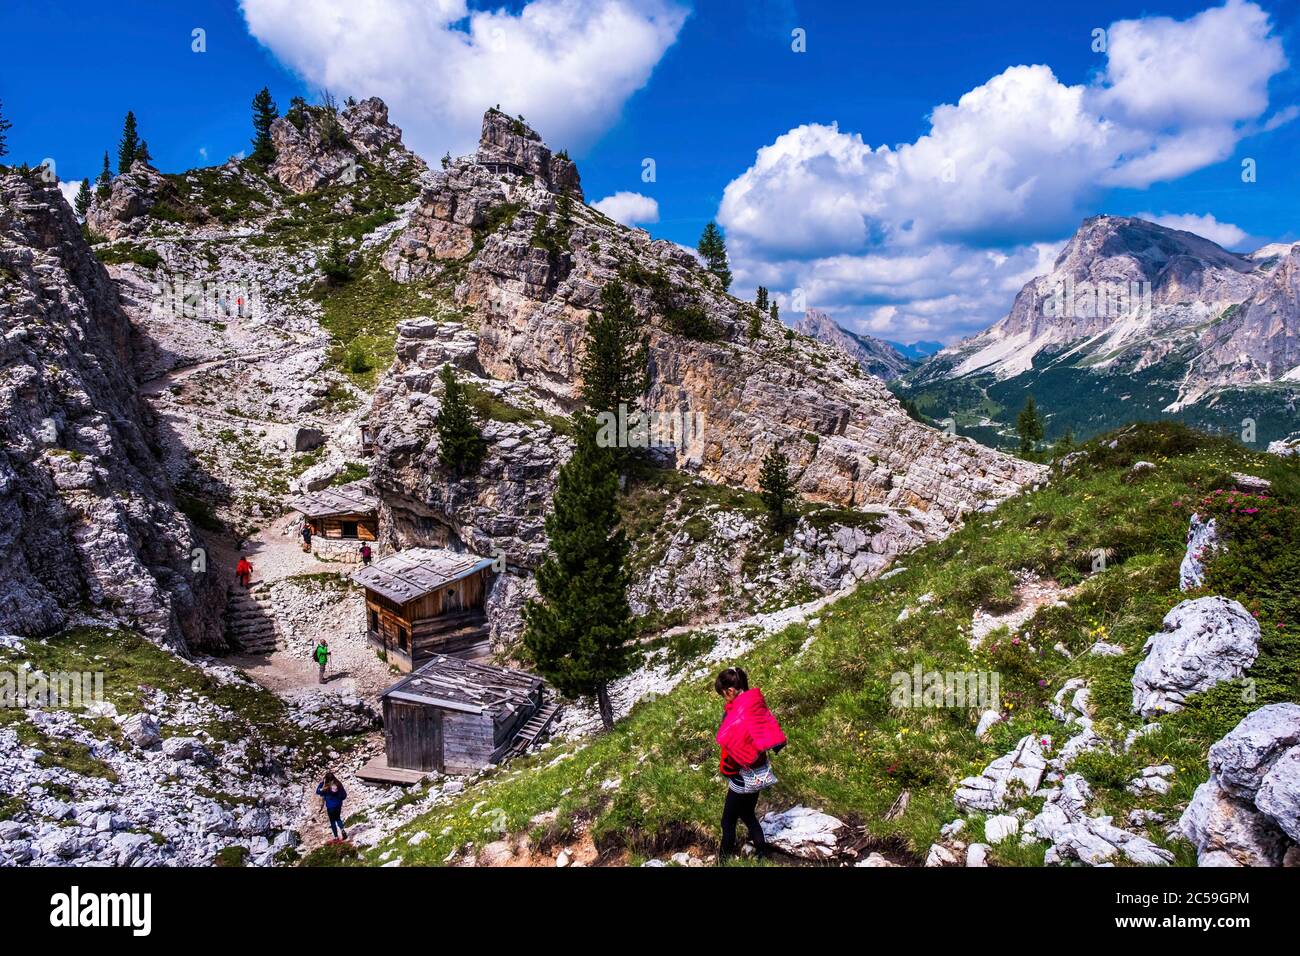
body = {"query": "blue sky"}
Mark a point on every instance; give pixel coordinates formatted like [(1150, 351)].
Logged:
[(928, 239)]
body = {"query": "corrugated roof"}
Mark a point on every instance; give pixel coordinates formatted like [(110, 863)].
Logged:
[(354, 498), (415, 572), (468, 686)]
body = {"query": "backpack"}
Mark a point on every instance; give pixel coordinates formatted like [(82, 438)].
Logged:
[(315, 654)]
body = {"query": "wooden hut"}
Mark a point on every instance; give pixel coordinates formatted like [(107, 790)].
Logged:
[(457, 716), (347, 513), (426, 601)]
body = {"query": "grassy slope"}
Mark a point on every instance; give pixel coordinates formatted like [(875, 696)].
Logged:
[(852, 754)]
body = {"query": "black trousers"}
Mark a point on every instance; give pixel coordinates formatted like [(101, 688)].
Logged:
[(740, 807)]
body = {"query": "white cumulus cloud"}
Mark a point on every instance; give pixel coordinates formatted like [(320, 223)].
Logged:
[(941, 230), (1224, 233), (566, 65), (629, 208)]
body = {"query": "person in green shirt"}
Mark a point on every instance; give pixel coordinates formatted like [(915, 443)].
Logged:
[(322, 655)]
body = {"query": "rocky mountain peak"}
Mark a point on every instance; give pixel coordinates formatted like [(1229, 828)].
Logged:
[(509, 145), (318, 145), (875, 356)]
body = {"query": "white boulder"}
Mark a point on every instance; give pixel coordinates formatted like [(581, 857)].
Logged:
[(803, 832), (1202, 642)]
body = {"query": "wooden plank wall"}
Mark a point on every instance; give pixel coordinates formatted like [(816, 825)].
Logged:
[(413, 735), (467, 741), (332, 526)]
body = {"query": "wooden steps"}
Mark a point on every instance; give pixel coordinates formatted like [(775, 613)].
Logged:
[(534, 728)]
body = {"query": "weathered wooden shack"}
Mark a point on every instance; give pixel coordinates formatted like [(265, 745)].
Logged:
[(348, 513), (426, 601), (456, 716)]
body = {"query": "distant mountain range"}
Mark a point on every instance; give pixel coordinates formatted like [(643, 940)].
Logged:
[(1135, 321), (917, 350), (875, 356)]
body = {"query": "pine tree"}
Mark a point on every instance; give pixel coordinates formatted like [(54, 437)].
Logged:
[(1064, 445), (82, 203), (129, 146), (775, 313), (1029, 426), (713, 249), (336, 265), (760, 299), (774, 486), (460, 442), (579, 630), (446, 159), (264, 114), (104, 182), (143, 155), (755, 324), (613, 365), (5, 126)]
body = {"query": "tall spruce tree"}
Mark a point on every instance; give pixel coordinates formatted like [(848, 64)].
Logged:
[(775, 487), (5, 127), (760, 299), (460, 442), (104, 181), (579, 630), (613, 365), (265, 113), (713, 249), (1029, 426), (142, 155), (82, 203), (128, 147), (775, 313)]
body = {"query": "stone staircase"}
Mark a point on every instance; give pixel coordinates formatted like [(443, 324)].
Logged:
[(250, 620)]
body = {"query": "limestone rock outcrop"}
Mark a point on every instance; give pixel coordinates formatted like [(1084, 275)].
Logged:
[(1202, 641), (131, 196), (316, 145), (85, 518), (1248, 812)]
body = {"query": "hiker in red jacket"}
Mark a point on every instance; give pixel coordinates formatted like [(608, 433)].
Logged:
[(747, 732), (244, 571)]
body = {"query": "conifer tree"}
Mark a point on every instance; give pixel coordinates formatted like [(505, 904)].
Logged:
[(775, 487), (579, 630), (760, 299), (82, 203), (5, 126), (460, 442), (264, 114), (613, 365), (104, 182), (142, 155), (775, 313), (1029, 426), (713, 249), (755, 324), (129, 145)]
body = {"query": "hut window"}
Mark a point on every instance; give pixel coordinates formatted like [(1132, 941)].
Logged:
[(403, 640), (349, 529), (374, 621)]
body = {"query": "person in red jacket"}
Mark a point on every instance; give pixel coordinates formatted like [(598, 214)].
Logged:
[(244, 571), (747, 732)]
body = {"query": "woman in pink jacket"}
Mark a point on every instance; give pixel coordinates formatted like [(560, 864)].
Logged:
[(747, 732)]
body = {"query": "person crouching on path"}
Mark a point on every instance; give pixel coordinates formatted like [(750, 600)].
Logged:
[(747, 732), (322, 655), (333, 794), (244, 571)]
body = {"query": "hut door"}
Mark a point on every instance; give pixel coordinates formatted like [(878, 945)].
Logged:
[(413, 736)]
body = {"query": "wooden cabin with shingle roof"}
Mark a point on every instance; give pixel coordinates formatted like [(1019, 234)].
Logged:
[(457, 716), (426, 601), (347, 513)]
